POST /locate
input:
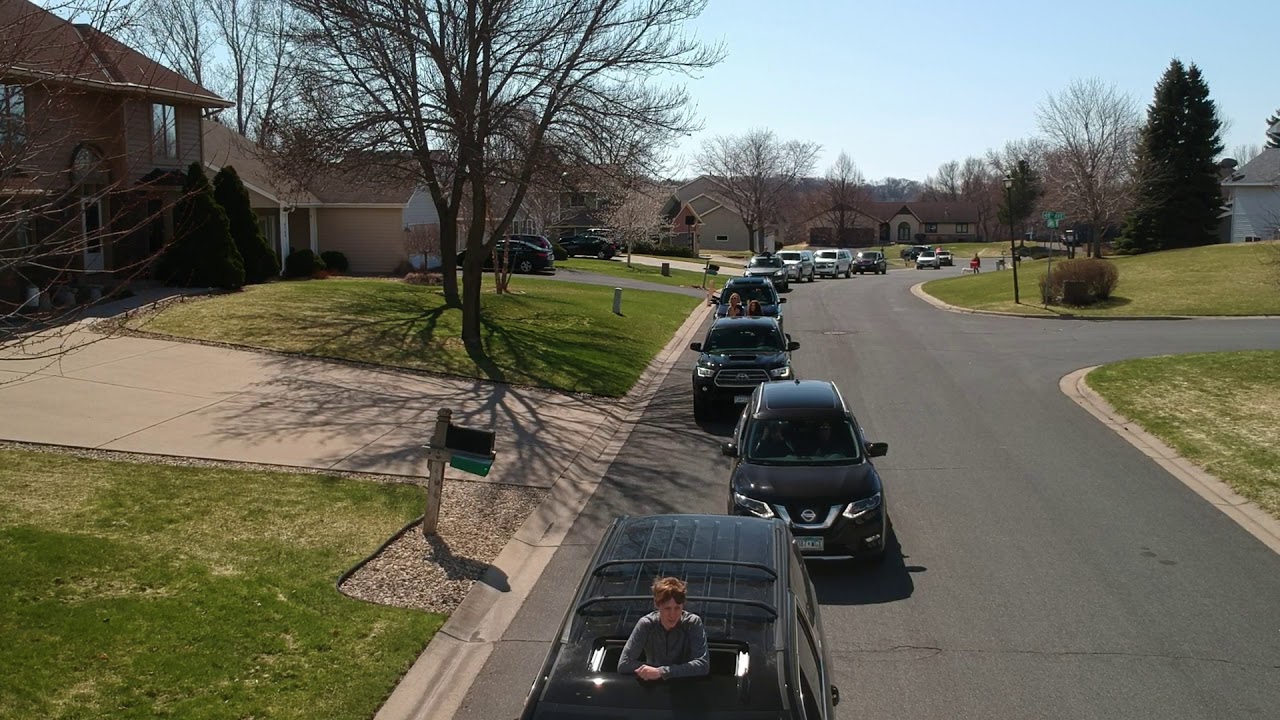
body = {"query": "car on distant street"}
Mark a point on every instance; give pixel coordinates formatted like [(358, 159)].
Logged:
[(912, 252), (944, 258), (833, 262), (589, 245), (870, 261), (525, 257), (737, 355), (771, 267), (799, 454), (927, 259), (801, 264)]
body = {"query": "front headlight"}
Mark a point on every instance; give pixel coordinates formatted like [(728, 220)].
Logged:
[(753, 506), (778, 273), (862, 507), (705, 371), (782, 372)]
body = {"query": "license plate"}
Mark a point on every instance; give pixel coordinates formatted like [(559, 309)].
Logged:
[(809, 543), (741, 399)]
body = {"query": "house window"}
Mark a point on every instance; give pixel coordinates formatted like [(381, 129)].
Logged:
[(931, 227), (164, 123), (577, 200), (962, 228), (722, 238), (13, 115), (904, 232), (268, 226)]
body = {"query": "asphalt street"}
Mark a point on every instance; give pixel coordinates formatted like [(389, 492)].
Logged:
[(1045, 567)]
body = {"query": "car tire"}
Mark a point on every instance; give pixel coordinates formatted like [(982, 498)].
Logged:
[(600, 256), (524, 266), (848, 273)]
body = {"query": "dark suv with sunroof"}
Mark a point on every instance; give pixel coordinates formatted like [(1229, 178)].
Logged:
[(800, 455), (750, 587), (737, 355)]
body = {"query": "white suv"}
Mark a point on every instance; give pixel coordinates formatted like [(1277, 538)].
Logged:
[(927, 259), (833, 263)]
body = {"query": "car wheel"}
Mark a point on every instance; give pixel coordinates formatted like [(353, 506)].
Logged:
[(600, 256), (524, 266), (848, 273)]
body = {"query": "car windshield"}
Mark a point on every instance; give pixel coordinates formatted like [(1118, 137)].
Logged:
[(753, 337), (790, 256), (827, 254), (765, 262), (748, 293), (868, 256), (802, 442)]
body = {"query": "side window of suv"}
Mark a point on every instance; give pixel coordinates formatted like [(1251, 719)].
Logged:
[(810, 685)]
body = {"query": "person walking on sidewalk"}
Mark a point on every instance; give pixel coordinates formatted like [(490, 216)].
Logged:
[(674, 642)]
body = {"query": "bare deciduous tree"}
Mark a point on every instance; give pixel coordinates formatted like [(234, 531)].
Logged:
[(754, 171), (1091, 129), (844, 195), (465, 92), (1245, 152), (179, 33), (255, 36), (946, 185)]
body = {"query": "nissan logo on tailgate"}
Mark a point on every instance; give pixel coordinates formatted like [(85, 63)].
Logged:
[(808, 516)]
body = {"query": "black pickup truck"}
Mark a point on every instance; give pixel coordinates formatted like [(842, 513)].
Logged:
[(737, 355)]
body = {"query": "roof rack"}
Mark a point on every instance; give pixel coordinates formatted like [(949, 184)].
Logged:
[(699, 561), (773, 612)]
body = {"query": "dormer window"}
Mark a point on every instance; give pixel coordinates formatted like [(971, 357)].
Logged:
[(164, 125), (13, 115)]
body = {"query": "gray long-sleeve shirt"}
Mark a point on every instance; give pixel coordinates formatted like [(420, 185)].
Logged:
[(678, 652)]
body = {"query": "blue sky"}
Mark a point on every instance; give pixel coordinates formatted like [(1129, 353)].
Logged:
[(904, 85)]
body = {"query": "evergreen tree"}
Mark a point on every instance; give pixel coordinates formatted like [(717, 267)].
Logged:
[(1273, 138), (202, 253), (1020, 201), (260, 261), (1178, 196)]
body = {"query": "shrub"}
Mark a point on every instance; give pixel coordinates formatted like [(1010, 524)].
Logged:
[(558, 252), (302, 263), (649, 247), (260, 261), (424, 278), (202, 253), (1100, 278), (335, 261)]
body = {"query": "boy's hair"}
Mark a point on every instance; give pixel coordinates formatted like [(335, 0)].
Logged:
[(669, 588)]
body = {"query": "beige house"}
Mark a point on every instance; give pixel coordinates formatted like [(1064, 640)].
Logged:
[(717, 224), (366, 220), (880, 223)]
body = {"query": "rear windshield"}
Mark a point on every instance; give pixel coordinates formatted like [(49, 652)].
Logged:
[(826, 253), (789, 255), (803, 442), (773, 262), (748, 293), (745, 336)]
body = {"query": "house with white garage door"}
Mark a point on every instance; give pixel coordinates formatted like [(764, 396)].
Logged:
[(365, 218)]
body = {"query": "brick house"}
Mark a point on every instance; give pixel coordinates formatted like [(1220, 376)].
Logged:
[(94, 142)]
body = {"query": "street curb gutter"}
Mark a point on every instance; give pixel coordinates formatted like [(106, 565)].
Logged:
[(919, 292), (437, 683), (1253, 519)]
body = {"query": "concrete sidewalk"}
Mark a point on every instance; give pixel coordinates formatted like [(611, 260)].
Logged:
[(681, 264), (171, 398)]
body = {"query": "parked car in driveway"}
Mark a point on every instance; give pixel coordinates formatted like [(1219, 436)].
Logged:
[(944, 258), (771, 267), (800, 455), (737, 355), (927, 259), (766, 652), (833, 262), (589, 245), (801, 264), (870, 261), (525, 257)]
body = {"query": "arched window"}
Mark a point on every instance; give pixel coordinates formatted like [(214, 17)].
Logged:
[(904, 232)]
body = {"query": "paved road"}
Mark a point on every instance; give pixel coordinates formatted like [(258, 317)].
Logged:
[(1047, 569)]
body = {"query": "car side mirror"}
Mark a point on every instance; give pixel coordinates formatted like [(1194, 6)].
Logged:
[(835, 695), (877, 449), (695, 346), (792, 346), (781, 300), (730, 449)]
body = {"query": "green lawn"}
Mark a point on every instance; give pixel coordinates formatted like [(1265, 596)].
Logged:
[(548, 333), (145, 591), (646, 273), (1219, 410), (1214, 280)]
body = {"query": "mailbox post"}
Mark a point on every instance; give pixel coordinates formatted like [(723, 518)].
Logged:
[(466, 449)]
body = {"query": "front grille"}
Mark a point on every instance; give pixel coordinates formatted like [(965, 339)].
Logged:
[(741, 378), (821, 511)]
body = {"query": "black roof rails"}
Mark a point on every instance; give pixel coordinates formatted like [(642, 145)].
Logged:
[(699, 561), (773, 612)]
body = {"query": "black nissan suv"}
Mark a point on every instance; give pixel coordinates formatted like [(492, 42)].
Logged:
[(737, 355), (800, 455)]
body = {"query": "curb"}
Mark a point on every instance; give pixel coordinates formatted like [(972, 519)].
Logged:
[(437, 683), (1246, 514), (919, 292)]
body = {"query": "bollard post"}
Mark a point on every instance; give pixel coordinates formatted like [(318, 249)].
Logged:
[(617, 301), (666, 269), (435, 473)]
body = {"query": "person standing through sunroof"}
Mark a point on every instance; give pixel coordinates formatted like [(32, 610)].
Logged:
[(673, 642)]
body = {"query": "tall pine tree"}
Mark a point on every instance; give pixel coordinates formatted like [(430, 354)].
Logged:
[(202, 253), (1273, 138), (260, 261), (1178, 197)]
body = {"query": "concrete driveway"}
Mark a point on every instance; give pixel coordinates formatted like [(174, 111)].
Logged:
[(172, 398)]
